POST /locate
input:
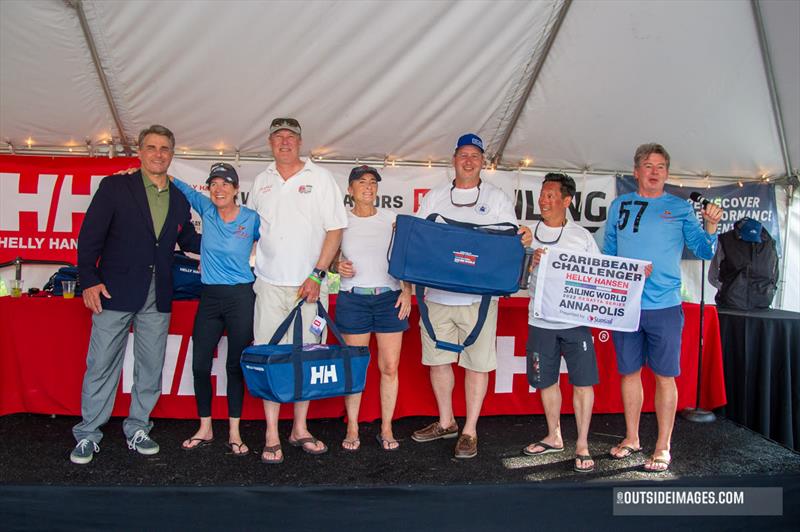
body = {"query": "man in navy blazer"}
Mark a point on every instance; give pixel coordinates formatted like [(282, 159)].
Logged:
[(125, 253)]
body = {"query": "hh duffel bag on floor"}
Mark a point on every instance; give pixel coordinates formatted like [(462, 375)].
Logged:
[(485, 260), (287, 373)]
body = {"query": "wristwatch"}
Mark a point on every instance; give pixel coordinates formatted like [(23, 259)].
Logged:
[(319, 273)]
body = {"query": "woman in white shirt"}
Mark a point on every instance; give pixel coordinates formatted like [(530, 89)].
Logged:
[(370, 300)]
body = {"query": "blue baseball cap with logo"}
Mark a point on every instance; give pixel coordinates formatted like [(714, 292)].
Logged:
[(470, 139), (750, 230), (224, 171)]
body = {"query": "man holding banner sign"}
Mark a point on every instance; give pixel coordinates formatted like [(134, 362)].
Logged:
[(549, 339), (653, 225)]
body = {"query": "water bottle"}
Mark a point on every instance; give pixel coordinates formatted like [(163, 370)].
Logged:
[(533, 370), (525, 274)]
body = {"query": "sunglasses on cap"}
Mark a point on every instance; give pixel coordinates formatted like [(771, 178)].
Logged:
[(279, 122)]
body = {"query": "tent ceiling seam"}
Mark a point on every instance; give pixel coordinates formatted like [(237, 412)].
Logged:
[(87, 34), (766, 58), (512, 124), (521, 82)]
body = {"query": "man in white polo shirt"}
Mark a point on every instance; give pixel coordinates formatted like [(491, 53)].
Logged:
[(453, 315), (302, 217)]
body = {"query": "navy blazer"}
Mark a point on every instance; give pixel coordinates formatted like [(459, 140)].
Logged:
[(117, 245)]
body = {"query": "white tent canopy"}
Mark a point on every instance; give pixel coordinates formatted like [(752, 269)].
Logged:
[(561, 84), (400, 80)]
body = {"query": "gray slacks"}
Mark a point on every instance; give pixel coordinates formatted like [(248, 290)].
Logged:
[(104, 366)]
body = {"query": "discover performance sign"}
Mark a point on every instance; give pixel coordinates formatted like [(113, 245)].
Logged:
[(588, 289)]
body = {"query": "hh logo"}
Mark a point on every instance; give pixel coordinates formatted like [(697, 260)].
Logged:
[(464, 257), (323, 374)]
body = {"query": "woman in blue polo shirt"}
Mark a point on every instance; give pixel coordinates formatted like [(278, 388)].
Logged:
[(370, 300), (227, 299)]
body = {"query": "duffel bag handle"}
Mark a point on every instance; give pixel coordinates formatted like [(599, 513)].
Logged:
[(297, 316), (503, 227)]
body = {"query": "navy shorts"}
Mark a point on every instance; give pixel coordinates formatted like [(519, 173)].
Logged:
[(657, 343), (575, 344), (359, 314)]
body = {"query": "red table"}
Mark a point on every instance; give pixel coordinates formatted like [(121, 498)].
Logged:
[(43, 342)]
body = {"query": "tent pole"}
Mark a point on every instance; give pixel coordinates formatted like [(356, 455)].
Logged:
[(562, 14), (778, 115), (87, 34), (773, 90)]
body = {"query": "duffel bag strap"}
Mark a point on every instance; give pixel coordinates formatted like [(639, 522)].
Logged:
[(280, 332), (483, 310), (502, 227)]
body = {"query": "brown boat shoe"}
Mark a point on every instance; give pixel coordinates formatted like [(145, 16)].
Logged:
[(435, 431), (467, 446)]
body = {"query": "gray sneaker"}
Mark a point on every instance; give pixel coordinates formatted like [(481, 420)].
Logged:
[(84, 452), (142, 444)]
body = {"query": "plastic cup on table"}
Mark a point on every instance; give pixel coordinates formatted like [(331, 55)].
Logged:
[(68, 289), (17, 285)]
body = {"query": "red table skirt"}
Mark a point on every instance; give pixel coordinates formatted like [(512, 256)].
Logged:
[(43, 344)]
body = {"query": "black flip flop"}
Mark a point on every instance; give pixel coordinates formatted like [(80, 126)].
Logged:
[(203, 443), (236, 448), (301, 442), (546, 449), (628, 451), (583, 458)]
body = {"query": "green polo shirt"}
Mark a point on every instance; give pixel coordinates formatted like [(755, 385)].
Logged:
[(158, 200)]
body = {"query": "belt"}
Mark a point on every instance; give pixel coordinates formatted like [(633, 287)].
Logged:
[(371, 291)]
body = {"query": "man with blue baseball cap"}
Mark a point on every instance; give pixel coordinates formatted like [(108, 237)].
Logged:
[(467, 199)]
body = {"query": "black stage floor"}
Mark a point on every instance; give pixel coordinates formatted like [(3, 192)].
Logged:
[(421, 486)]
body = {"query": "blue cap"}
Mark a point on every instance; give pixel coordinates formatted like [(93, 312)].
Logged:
[(750, 230), (225, 171), (470, 139)]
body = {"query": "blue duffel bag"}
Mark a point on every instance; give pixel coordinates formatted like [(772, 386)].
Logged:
[(485, 260), (287, 373)]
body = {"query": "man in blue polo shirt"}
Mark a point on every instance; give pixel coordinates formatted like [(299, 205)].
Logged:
[(652, 225)]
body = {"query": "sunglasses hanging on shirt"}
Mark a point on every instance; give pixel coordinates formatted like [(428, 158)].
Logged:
[(471, 204)]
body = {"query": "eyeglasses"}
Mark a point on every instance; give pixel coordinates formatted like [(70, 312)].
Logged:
[(471, 204), (539, 240), (280, 122)]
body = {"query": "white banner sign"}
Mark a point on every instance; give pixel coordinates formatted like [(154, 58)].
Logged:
[(588, 289)]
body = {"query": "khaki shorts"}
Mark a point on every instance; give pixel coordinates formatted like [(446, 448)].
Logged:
[(453, 324), (274, 303)]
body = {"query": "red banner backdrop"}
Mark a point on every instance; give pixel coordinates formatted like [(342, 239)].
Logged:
[(43, 201), (43, 344)]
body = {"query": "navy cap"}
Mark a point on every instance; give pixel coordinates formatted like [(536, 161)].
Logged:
[(225, 171), (750, 230), (358, 171), (470, 139)]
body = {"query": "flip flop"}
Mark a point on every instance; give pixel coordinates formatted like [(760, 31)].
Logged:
[(301, 442), (583, 458), (628, 451), (665, 461), (236, 448), (354, 445), (274, 450), (546, 449), (386, 445), (202, 442)]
